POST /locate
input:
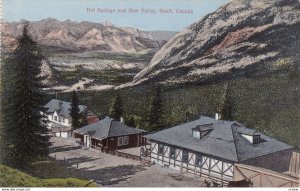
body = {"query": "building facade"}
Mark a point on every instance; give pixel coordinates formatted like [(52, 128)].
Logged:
[(185, 160), (209, 147), (109, 134), (59, 119)]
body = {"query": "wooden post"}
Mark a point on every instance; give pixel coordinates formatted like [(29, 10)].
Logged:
[(209, 164), (162, 157), (77, 165), (187, 164), (169, 156), (195, 167), (261, 179), (140, 154), (64, 159), (181, 161), (150, 151), (222, 171)]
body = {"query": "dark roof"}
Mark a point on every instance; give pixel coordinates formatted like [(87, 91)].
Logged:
[(61, 107), (108, 127), (224, 141)]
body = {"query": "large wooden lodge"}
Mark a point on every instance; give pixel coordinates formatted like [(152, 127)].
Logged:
[(212, 147)]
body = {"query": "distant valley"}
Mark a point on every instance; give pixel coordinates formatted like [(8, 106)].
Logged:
[(106, 54)]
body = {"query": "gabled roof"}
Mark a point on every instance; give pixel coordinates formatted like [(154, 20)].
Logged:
[(61, 107), (224, 141), (108, 127)]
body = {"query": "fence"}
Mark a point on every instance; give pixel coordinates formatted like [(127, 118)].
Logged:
[(294, 168), (121, 154), (264, 178)]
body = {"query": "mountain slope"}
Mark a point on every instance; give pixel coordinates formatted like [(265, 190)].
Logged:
[(86, 36), (242, 37)]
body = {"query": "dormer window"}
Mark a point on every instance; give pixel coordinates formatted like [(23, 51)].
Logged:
[(256, 139), (196, 134), (200, 131), (253, 138)]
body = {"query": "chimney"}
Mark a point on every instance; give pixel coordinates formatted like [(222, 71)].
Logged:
[(217, 116), (122, 119)]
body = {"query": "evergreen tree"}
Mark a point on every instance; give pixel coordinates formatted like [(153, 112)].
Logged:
[(226, 109), (116, 110), (156, 115), (74, 111), (131, 122), (23, 133), (83, 119)]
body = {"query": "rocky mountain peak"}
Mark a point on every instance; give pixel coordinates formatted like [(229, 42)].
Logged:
[(238, 35), (82, 36)]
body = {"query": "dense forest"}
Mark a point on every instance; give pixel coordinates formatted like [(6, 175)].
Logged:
[(268, 103)]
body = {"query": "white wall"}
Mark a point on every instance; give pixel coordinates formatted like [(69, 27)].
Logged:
[(62, 134), (210, 164), (60, 120), (248, 137)]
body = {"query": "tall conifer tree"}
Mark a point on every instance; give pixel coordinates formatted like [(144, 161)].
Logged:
[(226, 110), (131, 122), (116, 109), (74, 111), (23, 133), (156, 115)]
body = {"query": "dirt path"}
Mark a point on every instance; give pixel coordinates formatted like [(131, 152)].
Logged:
[(112, 171)]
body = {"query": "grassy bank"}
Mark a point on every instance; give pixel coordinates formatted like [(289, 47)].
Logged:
[(10, 177)]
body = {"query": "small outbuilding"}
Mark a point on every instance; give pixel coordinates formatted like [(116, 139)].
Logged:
[(61, 131), (109, 134)]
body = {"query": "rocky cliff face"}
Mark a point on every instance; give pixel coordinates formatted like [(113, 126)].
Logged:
[(239, 37), (85, 36)]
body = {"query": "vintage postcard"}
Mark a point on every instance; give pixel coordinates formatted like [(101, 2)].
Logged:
[(150, 93)]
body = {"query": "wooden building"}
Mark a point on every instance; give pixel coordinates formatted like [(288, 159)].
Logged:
[(210, 147), (59, 119), (109, 134), (61, 131)]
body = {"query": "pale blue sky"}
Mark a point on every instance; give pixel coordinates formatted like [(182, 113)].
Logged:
[(34, 10)]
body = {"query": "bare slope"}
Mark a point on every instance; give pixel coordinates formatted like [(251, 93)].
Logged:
[(239, 36), (86, 36)]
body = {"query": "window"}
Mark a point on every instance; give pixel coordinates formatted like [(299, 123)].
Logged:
[(55, 118), (256, 139), (185, 156), (120, 141), (160, 149), (201, 131), (172, 153), (199, 160), (123, 141), (196, 134), (126, 140)]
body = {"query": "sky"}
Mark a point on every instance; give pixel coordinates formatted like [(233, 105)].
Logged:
[(77, 10)]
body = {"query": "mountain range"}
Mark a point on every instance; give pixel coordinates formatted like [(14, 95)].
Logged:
[(243, 37), (86, 36)]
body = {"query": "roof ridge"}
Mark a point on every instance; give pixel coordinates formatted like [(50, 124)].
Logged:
[(234, 142), (68, 102)]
